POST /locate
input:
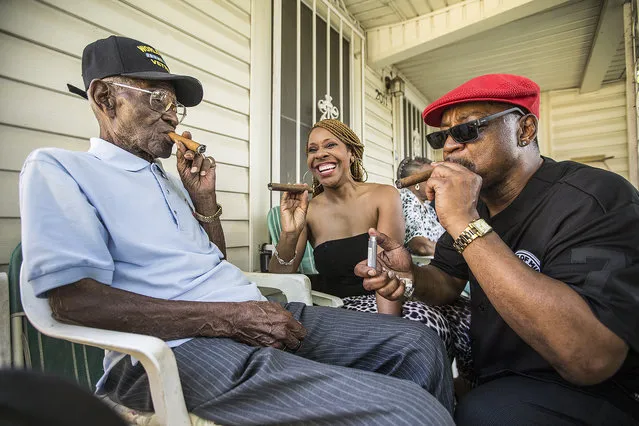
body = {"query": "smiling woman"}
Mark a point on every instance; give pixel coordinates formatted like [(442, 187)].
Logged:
[(335, 136), (337, 219)]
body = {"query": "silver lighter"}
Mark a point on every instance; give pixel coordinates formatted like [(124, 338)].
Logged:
[(372, 252)]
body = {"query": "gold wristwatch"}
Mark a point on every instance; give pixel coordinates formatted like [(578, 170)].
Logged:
[(475, 229)]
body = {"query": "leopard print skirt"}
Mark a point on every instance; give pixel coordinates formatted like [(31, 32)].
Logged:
[(451, 322)]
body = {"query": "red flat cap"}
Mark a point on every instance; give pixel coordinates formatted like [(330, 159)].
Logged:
[(507, 88)]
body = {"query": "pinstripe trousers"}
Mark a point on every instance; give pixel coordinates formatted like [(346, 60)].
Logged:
[(352, 368)]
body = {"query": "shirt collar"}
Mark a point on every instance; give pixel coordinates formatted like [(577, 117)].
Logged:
[(533, 193), (116, 156)]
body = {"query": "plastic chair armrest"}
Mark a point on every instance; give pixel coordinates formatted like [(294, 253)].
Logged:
[(296, 287), (325, 299)]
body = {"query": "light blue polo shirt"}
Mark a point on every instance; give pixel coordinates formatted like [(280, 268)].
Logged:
[(109, 215)]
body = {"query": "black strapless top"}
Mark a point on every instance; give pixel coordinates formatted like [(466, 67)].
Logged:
[(335, 261)]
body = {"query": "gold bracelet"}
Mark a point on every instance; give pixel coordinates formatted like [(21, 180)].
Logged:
[(475, 229), (208, 219)]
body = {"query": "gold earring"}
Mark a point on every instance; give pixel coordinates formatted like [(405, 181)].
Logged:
[(416, 187)]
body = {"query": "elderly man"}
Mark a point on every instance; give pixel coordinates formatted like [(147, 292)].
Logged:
[(551, 250), (114, 242)]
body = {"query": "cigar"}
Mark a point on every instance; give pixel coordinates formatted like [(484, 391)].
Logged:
[(413, 179), (189, 143), (289, 187)]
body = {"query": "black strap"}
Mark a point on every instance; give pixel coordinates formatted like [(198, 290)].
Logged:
[(77, 91)]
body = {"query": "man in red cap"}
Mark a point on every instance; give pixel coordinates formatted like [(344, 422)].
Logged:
[(552, 255)]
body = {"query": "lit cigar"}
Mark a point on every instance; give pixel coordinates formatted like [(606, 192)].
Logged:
[(289, 187), (189, 143), (413, 179)]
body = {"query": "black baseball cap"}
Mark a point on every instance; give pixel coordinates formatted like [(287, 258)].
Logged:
[(124, 56)]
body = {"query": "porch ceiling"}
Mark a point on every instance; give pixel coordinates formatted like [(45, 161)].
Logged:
[(552, 46), (373, 13)]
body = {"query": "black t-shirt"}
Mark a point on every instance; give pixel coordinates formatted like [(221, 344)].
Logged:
[(579, 225)]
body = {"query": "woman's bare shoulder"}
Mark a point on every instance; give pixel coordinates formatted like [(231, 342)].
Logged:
[(382, 190)]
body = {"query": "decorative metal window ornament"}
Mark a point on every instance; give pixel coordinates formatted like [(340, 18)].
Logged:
[(327, 108)]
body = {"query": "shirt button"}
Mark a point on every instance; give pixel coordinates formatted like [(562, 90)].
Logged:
[(175, 212), (482, 307), (168, 192)]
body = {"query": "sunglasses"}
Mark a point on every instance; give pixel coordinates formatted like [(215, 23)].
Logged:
[(465, 132)]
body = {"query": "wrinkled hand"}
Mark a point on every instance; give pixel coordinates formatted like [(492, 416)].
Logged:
[(456, 192), (392, 263), (266, 324), (293, 208), (196, 171)]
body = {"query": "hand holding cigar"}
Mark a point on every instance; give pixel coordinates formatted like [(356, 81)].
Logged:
[(289, 187), (413, 179), (188, 143)]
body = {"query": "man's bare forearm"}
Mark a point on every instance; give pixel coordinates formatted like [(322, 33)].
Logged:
[(216, 234), (434, 286), (213, 229), (90, 303), (549, 315)]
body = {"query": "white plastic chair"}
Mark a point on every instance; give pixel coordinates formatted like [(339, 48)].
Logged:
[(154, 354), (295, 290)]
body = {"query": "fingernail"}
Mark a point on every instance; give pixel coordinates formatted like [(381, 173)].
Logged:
[(371, 272), (202, 173), (193, 169), (391, 274)]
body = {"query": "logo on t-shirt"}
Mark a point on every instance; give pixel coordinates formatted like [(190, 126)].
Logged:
[(529, 259)]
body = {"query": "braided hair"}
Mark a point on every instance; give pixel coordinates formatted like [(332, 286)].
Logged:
[(409, 166), (348, 137)]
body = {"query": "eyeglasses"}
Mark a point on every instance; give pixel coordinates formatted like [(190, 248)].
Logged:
[(465, 132), (160, 100)]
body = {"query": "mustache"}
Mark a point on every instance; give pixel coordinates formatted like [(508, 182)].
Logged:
[(466, 163)]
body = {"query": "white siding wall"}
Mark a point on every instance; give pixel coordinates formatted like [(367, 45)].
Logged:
[(42, 42), (586, 124), (378, 151)]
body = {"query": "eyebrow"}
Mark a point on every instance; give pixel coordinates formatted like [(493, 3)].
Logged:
[(464, 117), (324, 140)]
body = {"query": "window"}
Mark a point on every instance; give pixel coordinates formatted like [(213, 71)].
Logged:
[(324, 72)]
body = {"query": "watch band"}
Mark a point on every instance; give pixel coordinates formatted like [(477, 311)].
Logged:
[(208, 219), (475, 229), (409, 287)]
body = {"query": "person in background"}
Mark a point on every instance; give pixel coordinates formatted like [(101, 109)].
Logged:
[(422, 227)]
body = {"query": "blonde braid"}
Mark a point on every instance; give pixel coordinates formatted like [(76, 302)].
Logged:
[(347, 136)]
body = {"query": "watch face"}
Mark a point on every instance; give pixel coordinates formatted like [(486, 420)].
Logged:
[(481, 226)]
